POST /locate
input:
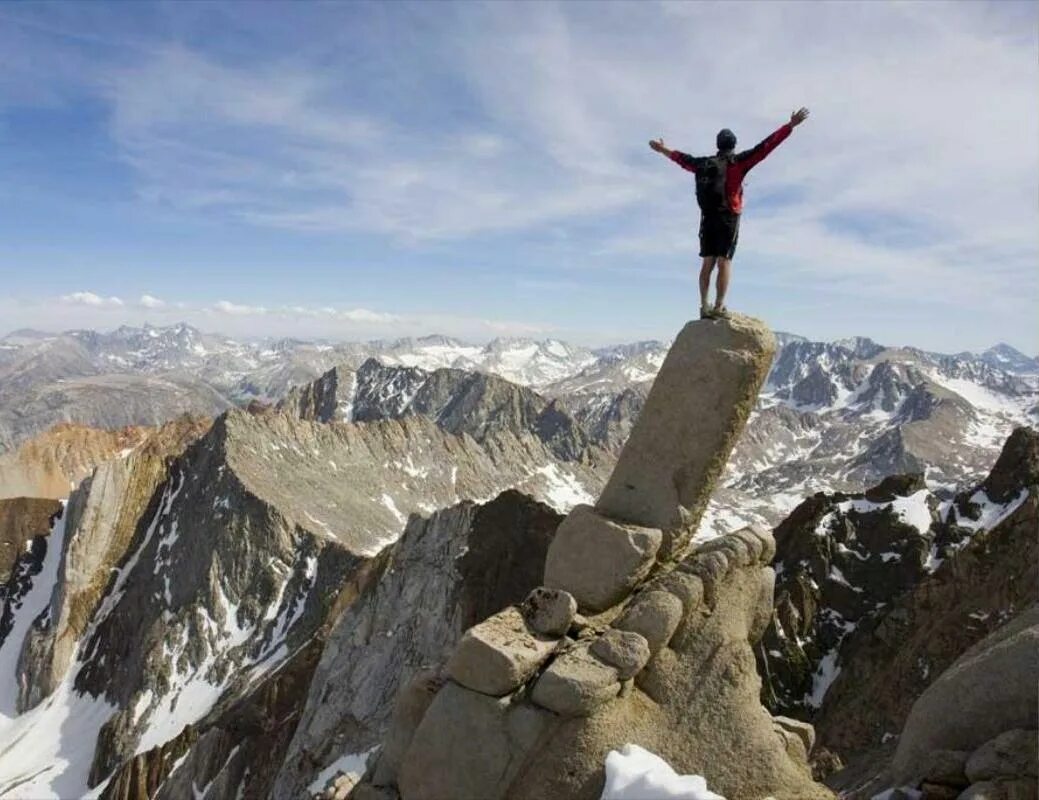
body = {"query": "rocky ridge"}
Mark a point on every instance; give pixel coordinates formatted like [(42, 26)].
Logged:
[(285, 471), (460, 402), (54, 462)]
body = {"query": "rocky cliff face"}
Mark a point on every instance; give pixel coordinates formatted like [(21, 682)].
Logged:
[(25, 525), (662, 654), (52, 463), (100, 522), (878, 594), (458, 566)]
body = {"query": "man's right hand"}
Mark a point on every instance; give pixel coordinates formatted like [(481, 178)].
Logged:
[(658, 145), (798, 117)]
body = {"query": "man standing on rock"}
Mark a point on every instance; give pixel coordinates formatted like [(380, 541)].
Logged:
[(719, 193)]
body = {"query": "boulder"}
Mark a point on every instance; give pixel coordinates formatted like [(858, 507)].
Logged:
[(989, 689), (803, 730), (412, 703), (694, 413), (710, 568), (498, 655), (948, 767), (549, 611), (793, 744), (696, 703), (763, 612), (764, 535), (626, 650), (654, 615), (576, 683), (478, 736), (754, 543), (597, 560), (1012, 754), (686, 587)]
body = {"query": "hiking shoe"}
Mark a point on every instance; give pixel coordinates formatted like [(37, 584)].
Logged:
[(720, 312), (706, 312)]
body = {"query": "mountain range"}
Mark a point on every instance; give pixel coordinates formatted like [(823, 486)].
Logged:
[(221, 600), (833, 416)]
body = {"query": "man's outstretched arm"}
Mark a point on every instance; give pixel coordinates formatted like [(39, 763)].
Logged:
[(756, 154), (684, 160)]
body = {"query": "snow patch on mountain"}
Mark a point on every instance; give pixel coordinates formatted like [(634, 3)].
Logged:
[(563, 490), (47, 751)]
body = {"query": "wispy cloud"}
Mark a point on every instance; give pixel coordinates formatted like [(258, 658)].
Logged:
[(238, 309), (523, 127), (923, 112), (92, 300), (148, 301)]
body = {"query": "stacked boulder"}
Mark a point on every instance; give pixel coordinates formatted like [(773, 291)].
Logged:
[(639, 634)]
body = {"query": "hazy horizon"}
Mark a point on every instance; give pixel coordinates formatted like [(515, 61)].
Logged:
[(473, 341)]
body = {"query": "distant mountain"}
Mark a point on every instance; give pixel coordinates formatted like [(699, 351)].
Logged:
[(1008, 358), (459, 401), (72, 379), (833, 416)]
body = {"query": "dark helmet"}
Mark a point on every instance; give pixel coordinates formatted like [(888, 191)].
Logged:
[(726, 139)]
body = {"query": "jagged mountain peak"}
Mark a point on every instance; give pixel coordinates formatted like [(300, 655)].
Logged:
[(1005, 356), (462, 402)]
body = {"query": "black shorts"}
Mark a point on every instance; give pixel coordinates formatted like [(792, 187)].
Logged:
[(718, 234)]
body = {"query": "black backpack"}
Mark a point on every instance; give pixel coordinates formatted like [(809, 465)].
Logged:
[(710, 184)]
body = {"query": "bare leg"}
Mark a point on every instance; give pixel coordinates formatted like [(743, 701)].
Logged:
[(724, 271), (705, 277)]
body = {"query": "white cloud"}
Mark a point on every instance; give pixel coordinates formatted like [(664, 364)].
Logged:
[(91, 299), (237, 309), (148, 301), (364, 315)]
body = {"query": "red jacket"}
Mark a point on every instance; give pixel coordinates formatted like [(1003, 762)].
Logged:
[(739, 167)]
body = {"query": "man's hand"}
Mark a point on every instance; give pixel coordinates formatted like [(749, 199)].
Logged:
[(658, 145), (798, 117)]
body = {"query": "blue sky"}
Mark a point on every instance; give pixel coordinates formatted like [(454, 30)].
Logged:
[(357, 170)]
